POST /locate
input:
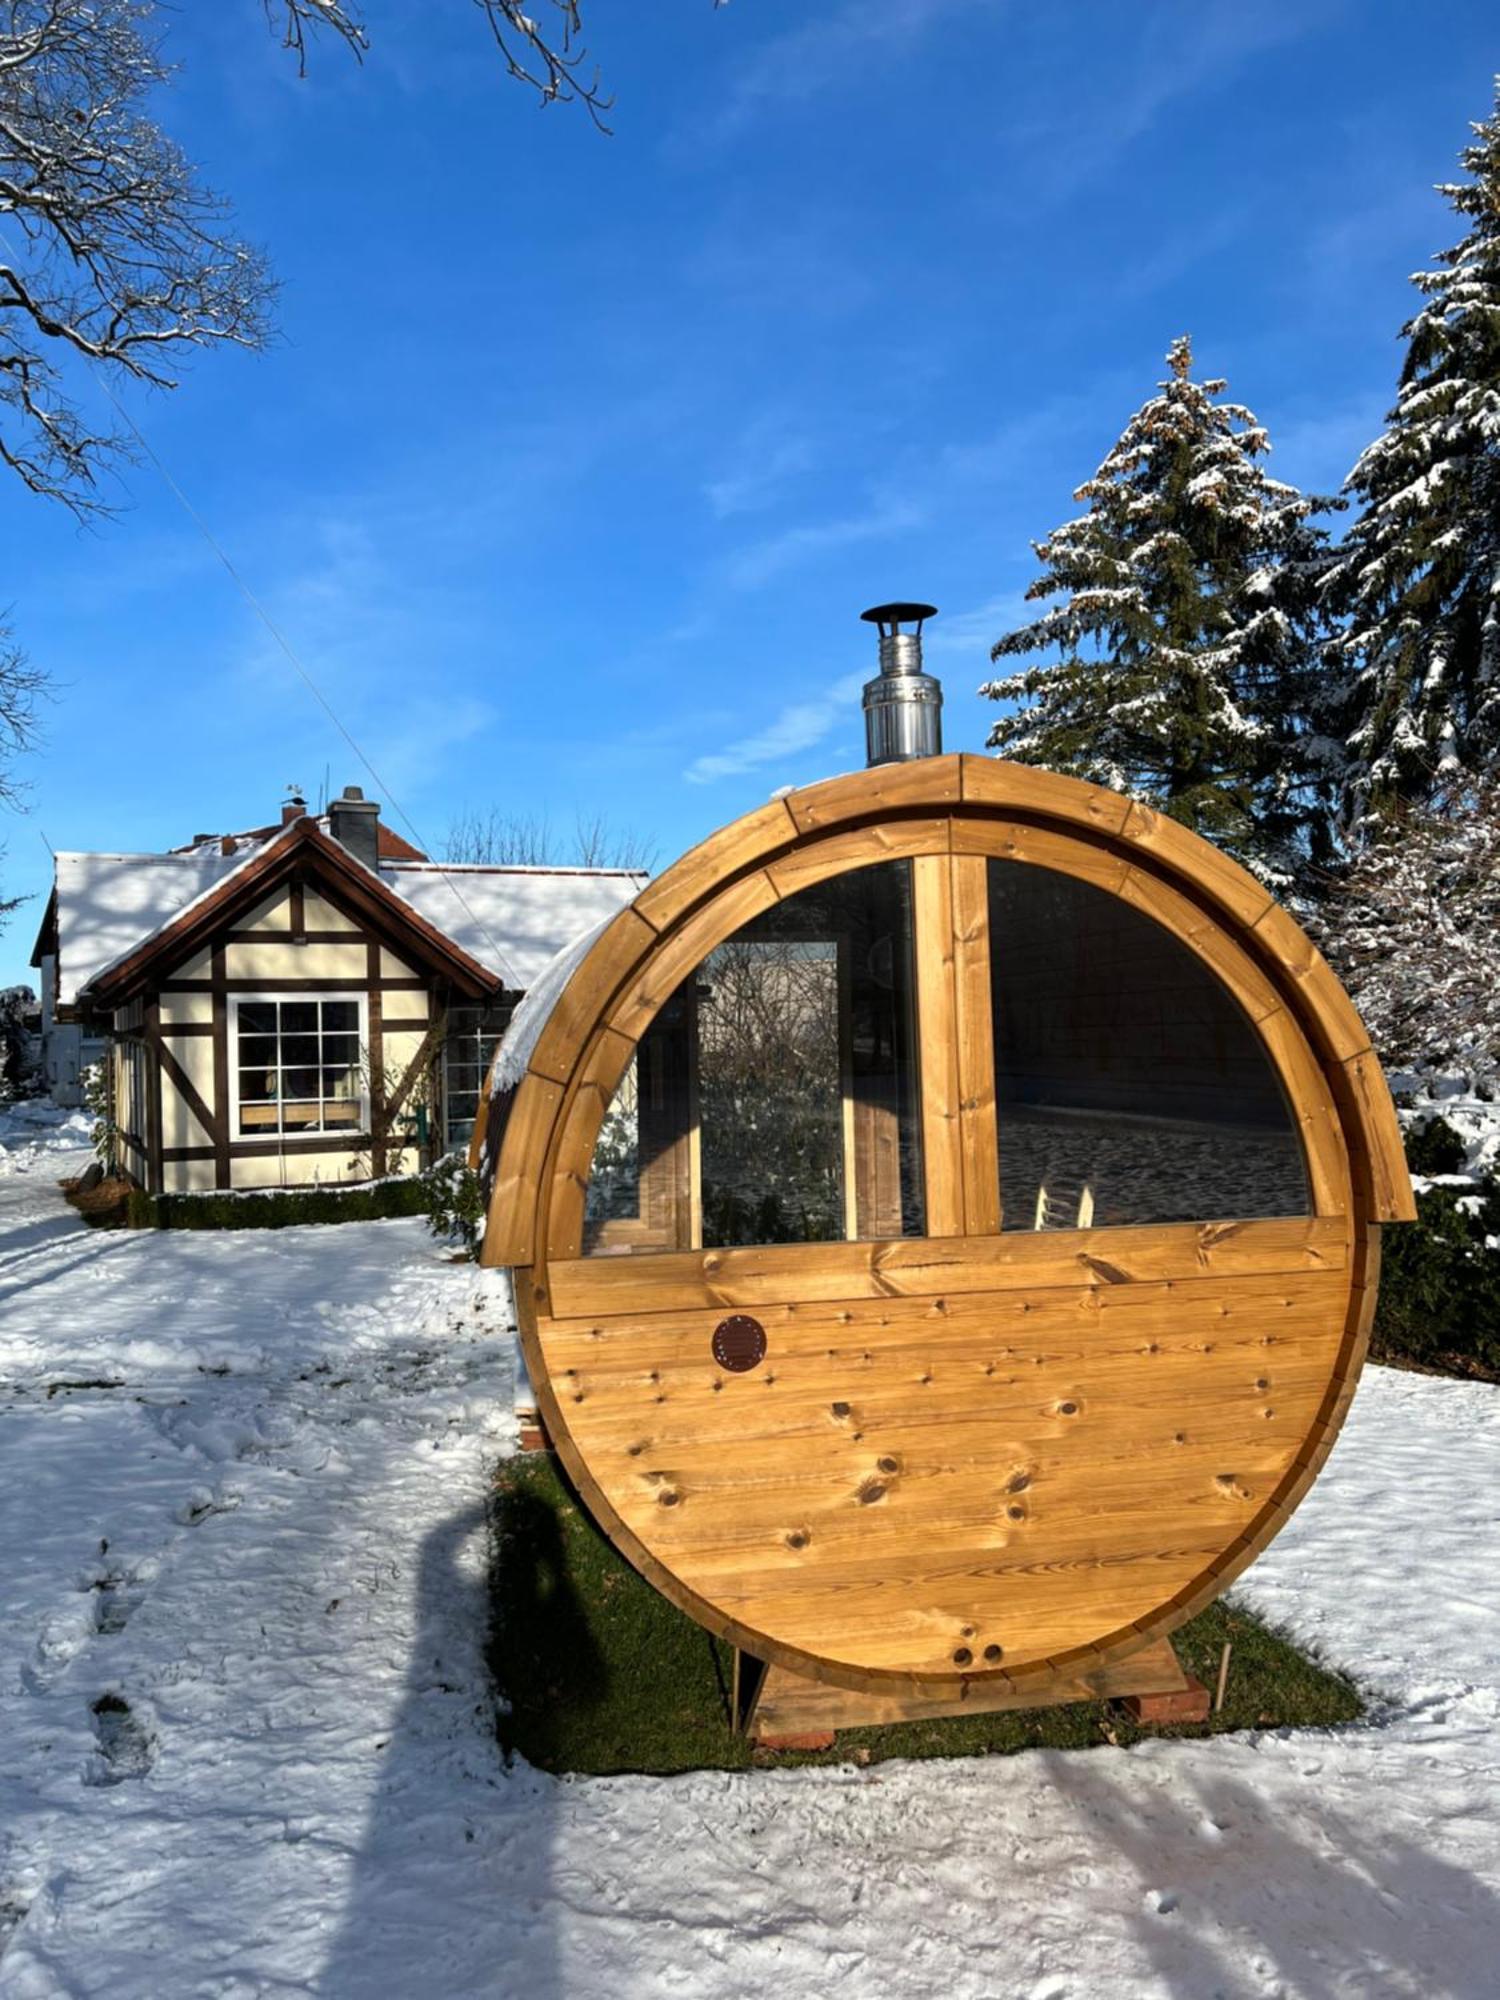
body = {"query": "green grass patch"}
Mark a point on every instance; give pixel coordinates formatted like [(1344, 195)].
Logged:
[(598, 1673)]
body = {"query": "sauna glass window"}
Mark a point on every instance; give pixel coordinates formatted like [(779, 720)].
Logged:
[(1130, 1085), (297, 1067), (774, 1097), (468, 1049)]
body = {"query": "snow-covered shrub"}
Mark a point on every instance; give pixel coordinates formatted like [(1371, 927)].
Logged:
[(98, 1098), (1413, 929), (454, 1201), (1440, 1282), (20, 1045)]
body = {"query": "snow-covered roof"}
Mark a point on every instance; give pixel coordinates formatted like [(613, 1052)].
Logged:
[(513, 921), (526, 915), (107, 904), (534, 1012)]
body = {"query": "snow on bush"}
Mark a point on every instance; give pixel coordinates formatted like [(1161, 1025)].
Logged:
[(1413, 929)]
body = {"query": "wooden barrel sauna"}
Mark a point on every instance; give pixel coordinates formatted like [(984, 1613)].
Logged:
[(945, 1210)]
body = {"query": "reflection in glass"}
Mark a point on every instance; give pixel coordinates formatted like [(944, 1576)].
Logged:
[(773, 1099), (1130, 1086)]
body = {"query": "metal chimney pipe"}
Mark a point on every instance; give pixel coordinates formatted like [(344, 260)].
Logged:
[(903, 705)]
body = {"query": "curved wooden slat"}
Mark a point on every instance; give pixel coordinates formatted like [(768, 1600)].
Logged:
[(926, 783), (1005, 787), (745, 843)]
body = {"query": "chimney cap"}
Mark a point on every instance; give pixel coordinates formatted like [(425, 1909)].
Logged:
[(898, 614), (352, 792)]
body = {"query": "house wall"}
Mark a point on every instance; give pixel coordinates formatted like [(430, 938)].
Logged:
[(67, 1049), (297, 943), (132, 1090)]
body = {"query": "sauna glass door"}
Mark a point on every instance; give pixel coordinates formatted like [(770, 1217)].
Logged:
[(1130, 1087), (774, 1099), (953, 1044)]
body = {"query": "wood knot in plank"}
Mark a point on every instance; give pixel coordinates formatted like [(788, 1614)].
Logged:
[(1110, 1274), (1232, 1484), (869, 1491)]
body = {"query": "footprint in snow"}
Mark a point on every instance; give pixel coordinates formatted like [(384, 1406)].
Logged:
[(61, 1639), (1163, 1901), (127, 1748), (114, 1605), (13, 1908), (117, 1590)]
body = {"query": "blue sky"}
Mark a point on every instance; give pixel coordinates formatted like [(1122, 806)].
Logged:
[(576, 458)]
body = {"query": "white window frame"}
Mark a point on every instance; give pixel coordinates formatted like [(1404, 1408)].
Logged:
[(487, 1041), (279, 1132)]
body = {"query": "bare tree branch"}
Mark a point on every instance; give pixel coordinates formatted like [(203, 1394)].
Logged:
[(112, 251), (22, 686), (522, 840), (554, 63)]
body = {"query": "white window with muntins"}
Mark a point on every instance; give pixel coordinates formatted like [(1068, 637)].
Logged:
[(468, 1050), (297, 1066)]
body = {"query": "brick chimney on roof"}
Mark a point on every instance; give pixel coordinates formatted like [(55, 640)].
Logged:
[(293, 807), (354, 821)]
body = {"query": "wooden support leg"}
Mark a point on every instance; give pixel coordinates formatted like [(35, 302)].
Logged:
[(787, 1711), (1186, 1704), (533, 1431)]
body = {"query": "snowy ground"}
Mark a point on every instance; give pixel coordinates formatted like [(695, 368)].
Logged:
[(242, 1481)]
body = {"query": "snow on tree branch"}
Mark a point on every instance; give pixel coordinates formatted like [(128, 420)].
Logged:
[(1413, 928), (1178, 656), (112, 252), (1415, 675), (552, 61)]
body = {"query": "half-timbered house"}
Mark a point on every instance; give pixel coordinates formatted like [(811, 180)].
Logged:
[(312, 1001)]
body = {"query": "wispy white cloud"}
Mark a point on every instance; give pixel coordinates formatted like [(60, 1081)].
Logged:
[(798, 727), (764, 559), (968, 635), (831, 48), (765, 458), (1182, 47), (356, 622)]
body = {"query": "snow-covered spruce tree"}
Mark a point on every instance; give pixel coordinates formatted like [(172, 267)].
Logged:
[(1181, 649), (1418, 576), (1413, 928)]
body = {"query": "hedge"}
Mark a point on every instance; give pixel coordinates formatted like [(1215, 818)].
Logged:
[(280, 1208), (1439, 1300)]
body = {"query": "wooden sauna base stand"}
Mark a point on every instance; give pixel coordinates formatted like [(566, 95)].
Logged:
[(533, 1431), (780, 1710)]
